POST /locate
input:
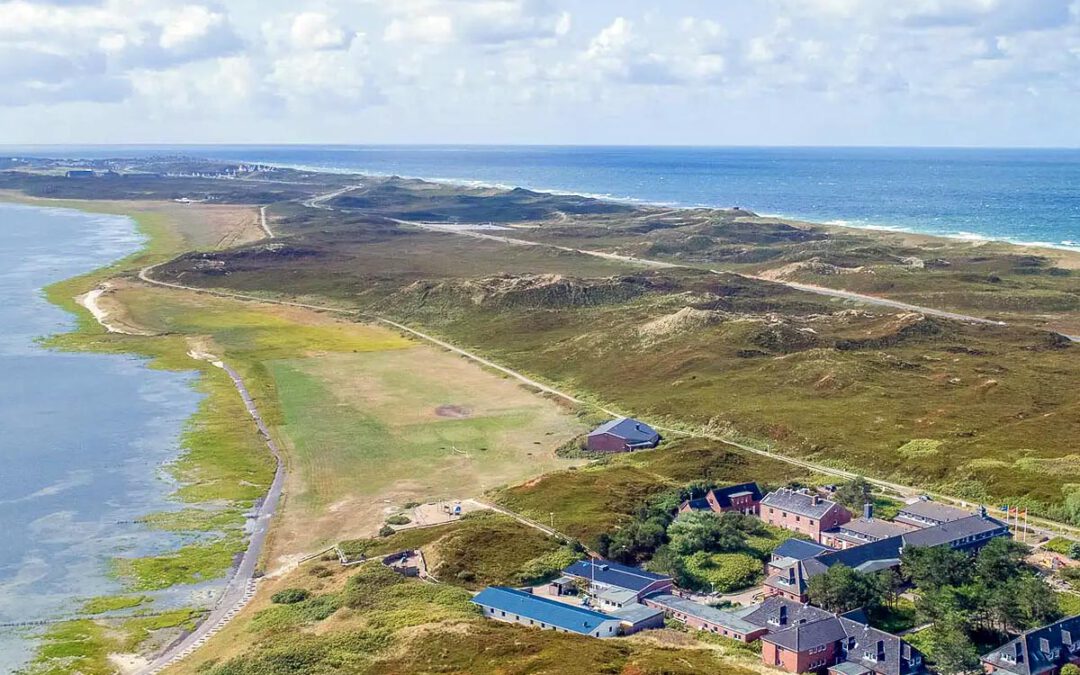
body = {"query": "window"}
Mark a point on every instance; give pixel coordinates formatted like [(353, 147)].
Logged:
[(797, 519), (502, 613), (811, 522)]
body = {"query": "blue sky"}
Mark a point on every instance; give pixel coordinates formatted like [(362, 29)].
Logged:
[(746, 72)]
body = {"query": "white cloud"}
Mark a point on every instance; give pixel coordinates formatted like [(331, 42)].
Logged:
[(316, 31), (424, 29)]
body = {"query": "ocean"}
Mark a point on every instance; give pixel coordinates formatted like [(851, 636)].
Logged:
[(84, 436), (1021, 195)]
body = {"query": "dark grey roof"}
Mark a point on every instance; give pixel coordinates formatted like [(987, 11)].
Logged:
[(955, 532), (802, 637), (723, 495), (861, 647), (799, 549), (631, 430), (871, 529), (1025, 655), (942, 513), (636, 613), (873, 554), (704, 612), (768, 613), (798, 502)]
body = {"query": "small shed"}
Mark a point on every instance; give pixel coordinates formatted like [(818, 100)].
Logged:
[(624, 434)]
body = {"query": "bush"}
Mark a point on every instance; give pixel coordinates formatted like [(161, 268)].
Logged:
[(399, 519), (723, 572), (386, 531), (547, 566), (290, 596)]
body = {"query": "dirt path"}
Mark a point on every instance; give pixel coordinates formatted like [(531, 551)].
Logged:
[(263, 223), (807, 288)]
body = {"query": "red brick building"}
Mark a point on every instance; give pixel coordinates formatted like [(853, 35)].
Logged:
[(743, 498), (802, 511)]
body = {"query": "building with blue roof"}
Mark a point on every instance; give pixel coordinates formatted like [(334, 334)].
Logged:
[(624, 434), (604, 575), (514, 606)]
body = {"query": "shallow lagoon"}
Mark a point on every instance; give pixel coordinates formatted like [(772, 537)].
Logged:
[(83, 437)]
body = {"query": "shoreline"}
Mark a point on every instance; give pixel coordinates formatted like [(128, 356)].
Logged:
[(972, 238), (95, 329)]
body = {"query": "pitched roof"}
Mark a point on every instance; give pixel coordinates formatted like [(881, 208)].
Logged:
[(545, 610), (767, 613), (804, 636), (896, 655), (628, 429), (869, 529), (954, 531), (613, 574), (723, 495), (697, 610), (801, 503), (859, 646), (1025, 655), (933, 511), (800, 549)]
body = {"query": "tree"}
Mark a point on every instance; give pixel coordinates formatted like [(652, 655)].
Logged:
[(636, 540), (932, 567), (666, 561), (705, 531), (1070, 669), (1000, 560), (854, 494), (842, 589), (951, 648), (1037, 603)]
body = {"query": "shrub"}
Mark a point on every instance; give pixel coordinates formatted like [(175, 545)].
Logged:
[(723, 572), (320, 572), (290, 596), (399, 519), (547, 566), (386, 531)]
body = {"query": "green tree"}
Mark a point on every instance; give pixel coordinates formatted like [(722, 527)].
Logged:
[(950, 647), (667, 561), (1000, 560), (1070, 669), (1037, 602), (842, 589), (705, 531), (854, 494), (933, 567)]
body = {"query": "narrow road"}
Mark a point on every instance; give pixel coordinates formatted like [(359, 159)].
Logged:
[(807, 288), (263, 223), (240, 587), (319, 201), (1040, 525)]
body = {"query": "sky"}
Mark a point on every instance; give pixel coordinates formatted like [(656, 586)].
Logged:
[(690, 72)]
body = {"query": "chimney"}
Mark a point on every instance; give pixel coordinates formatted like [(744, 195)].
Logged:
[(868, 510), (783, 615), (817, 499), (1018, 651), (880, 650)]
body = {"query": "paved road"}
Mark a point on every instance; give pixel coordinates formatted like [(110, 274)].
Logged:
[(240, 587), (808, 288)]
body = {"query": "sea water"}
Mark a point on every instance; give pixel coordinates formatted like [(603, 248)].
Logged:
[(1019, 195), (83, 437)]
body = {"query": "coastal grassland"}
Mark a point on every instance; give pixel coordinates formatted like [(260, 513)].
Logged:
[(596, 499), (369, 620), (112, 603), (83, 645), (481, 549), (403, 425)]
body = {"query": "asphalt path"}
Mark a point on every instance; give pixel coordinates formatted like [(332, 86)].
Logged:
[(241, 586)]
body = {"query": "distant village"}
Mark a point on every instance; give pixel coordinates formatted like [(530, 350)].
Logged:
[(604, 599)]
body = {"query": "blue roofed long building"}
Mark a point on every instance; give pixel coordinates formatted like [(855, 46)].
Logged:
[(514, 606)]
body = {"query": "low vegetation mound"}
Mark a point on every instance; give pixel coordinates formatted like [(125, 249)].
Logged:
[(530, 291), (686, 320)]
